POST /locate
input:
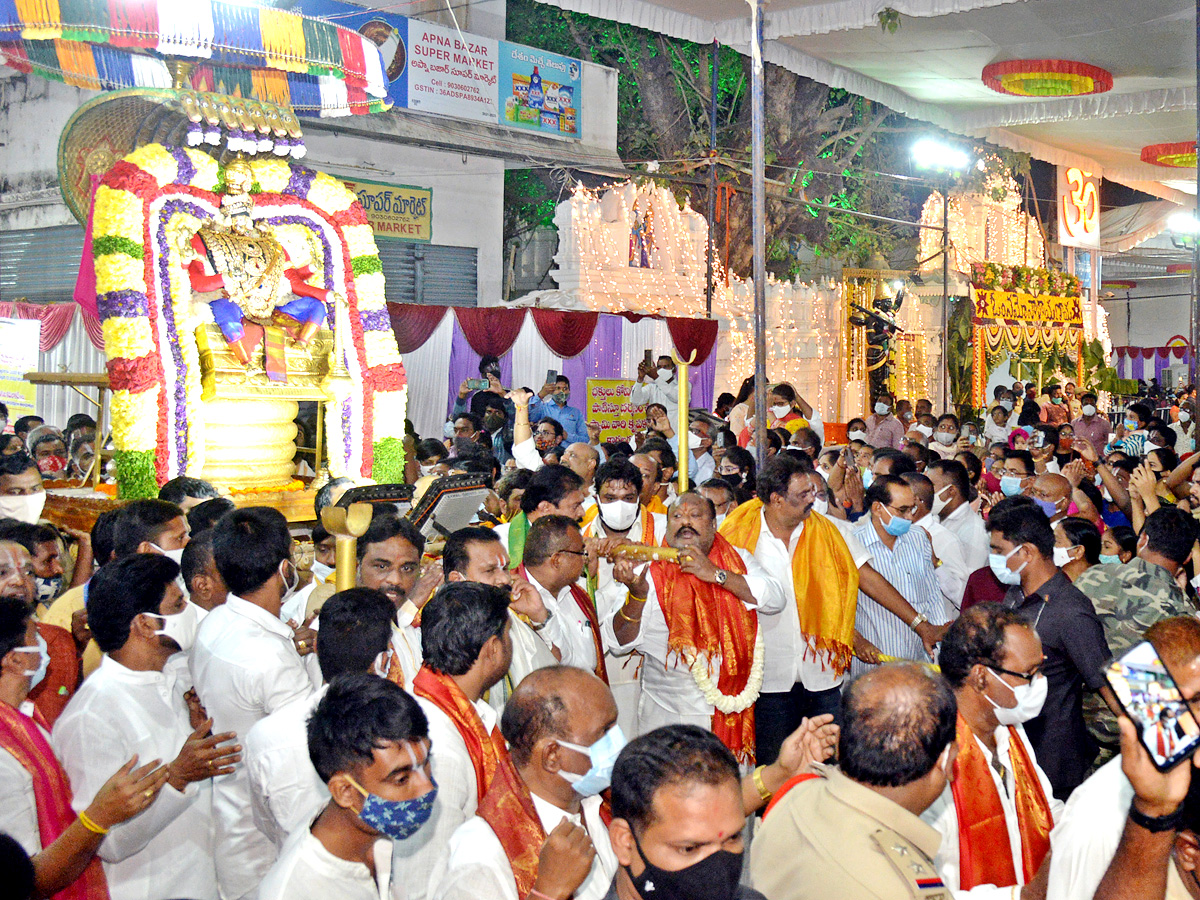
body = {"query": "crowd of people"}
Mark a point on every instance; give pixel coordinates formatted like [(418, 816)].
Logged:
[(870, 668)]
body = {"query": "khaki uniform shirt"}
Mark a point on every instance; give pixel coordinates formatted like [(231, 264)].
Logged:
[(832, 837)]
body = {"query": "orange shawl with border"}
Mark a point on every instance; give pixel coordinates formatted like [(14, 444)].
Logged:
[(823, 574), (704, 620), (487, 750), (983, 843)]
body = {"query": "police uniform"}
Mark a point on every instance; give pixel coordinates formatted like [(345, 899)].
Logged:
[(832, 837)]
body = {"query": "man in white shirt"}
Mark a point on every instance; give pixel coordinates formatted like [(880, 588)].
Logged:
[(952, 505), (1087, 833), (245, 666), (554, 563), (996, 815), (952, 572), (656, 383), (138, 617), (621, 516), (369, 741), (671, 693), (285, 790)]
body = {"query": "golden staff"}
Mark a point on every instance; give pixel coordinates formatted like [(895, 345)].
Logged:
[(346, 526)]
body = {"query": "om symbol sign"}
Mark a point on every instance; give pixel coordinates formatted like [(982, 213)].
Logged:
[(1081, 205)]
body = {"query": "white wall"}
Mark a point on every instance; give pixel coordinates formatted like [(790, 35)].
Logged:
[(1156, 312)]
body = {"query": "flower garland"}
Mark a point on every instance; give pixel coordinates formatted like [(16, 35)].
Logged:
[(144, 301), (1180, 155), (1046, 78), (722, 702), (989, 276)]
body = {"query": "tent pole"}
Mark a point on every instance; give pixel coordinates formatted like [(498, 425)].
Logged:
[(947, 400), (759, 226), (712, 173), (1194, 329)]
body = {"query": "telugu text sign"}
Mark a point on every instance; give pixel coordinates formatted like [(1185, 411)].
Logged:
[(451, 73), (608, 403), (540, 90), (19, 340), (1042, 309), (396, 210)]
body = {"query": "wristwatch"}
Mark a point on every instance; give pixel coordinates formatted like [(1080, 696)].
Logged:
[(921, 617), (722, 576), (538, 626)]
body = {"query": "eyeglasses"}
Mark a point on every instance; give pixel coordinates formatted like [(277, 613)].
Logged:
[(1024, 676), (902, 511)]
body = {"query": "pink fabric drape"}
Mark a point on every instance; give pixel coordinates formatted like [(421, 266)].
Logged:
[(413, 323), (94, 329), (567, 334), (55, 318)]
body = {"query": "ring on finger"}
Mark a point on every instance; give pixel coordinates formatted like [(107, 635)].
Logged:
[(148, 793)]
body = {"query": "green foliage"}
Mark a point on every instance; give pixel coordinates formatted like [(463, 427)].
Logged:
[(366, 265), (889, 20), (136, 477), (111, 243), (961, 359), (388, 465)]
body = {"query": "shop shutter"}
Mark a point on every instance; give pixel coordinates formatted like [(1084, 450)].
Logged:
[(429, 273), (40, 264)]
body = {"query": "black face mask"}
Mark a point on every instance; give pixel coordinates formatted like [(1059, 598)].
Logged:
[(735, 479), (713, 878)]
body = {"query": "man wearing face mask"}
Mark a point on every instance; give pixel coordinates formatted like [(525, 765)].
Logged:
[(904, 558), (22, 496), (884, 429), (129, 706), (656, 384), (369, 742), (42, 543), (1022, 557), (285, 790), (996, 815), (854, 832), (622, 517), (951, 503), (1052, 493), (950, 562), (35, 794), (1089, 426), (1016, 473), (570, 418), (245, 666), (722, 495), (1185, 429), (1131, 597), (1056, 411)]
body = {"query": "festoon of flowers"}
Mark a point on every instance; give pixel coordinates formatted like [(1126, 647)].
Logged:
[(743, 700)]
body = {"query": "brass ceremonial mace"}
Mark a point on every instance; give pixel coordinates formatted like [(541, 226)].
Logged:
[(684, 456), (346, 526)]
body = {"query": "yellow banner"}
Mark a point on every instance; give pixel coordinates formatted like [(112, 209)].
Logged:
[(608, 403), (18, 354), (1042, 309), (396, 210)]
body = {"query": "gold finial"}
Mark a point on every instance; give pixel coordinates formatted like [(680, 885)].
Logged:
[(181, 72)]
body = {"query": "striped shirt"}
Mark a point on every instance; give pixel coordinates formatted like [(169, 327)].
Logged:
[(908, 567)]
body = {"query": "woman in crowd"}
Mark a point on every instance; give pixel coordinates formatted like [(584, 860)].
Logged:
[(1076, 546)]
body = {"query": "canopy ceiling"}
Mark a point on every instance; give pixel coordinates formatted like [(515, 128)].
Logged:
[(930, 68)]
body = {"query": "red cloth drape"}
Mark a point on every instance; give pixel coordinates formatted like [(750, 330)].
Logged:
[(490, 331), (55, 318), (566, 333), (688, 335), (413, 323)]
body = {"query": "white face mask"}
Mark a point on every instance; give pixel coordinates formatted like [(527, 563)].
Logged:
[(289, 584), (23, 507), (38, 672), (857, 435), (940, 499), (925, 430), (426, 470), (780, 411), (1185, 416), (180, 627), (619, 515), (1062, 556), (1150, 445), (1030, 699), (321, 571), (821, 506), (882, 409), (694, 441), (1089, 410), (176, 556), (945, 438)]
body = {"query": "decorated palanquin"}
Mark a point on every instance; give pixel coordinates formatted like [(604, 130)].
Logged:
[(186, 400), (1023, 311)]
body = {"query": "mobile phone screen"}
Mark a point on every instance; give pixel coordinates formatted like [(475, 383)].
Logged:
[(551, 376), (1151, 699)]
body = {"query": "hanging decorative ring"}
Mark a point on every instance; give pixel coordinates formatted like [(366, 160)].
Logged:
[(1181, 155), (1046, 78)]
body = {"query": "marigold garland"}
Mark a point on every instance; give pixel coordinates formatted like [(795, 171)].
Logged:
[(1046, 78), (1180, 155), (989, 276), (142, 292)]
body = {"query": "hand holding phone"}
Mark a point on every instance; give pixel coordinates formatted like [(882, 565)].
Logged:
[(1152, 700)]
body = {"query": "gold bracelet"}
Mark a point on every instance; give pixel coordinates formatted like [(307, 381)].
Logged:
[(629, 595), (87, 822), (762, 788), (621, 613)]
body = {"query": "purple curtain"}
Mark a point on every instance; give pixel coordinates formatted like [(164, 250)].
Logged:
[(1138, 369), (703, 379), (601, 358), (464, 363)]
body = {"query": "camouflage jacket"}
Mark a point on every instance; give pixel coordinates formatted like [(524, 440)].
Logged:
[(1129, 599)]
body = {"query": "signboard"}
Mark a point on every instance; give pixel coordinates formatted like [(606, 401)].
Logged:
[(396, 210), (1044, 309), (19, 339), (452, 73), (540, 90), (608, 403), (1078, 208)]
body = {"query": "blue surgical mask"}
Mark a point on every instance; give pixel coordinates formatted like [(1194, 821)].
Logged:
[(1131, 424), (603, 755), (1047, 507), (1107, 559), (397, 819), (1010, 485), (999, 566), (867, 477), (896, 526)]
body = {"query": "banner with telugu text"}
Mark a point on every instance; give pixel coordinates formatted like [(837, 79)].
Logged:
[(1044, 309), (396, 210), (608, 403), (19, 339)]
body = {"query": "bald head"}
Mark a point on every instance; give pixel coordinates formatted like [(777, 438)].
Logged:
[(582, 459), (898, 720), (1053, 487), (922, 489), (556, 702)]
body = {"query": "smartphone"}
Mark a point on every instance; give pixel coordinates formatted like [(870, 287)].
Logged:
[(1039, 439), (551, 376), (478, 384), (648, 359), (1152, 700)]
